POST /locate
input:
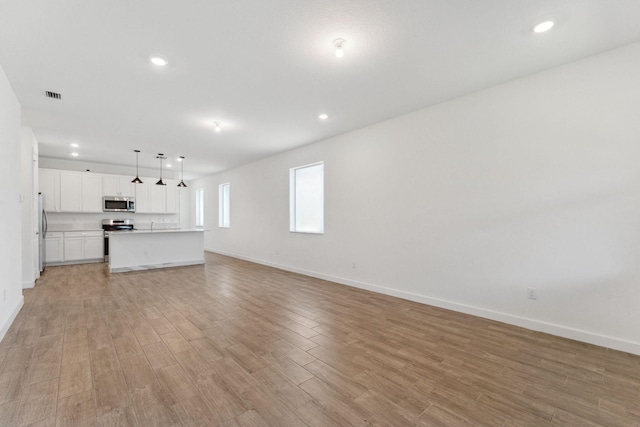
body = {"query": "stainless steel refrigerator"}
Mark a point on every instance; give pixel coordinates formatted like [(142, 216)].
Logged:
[(42, 230)]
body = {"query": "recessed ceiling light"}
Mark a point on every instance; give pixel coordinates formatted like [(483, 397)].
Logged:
[(159, 61), (74, 154), (339, 45), (216, 126), (323, 116), (168, 166), (543, 26), (74, 145)]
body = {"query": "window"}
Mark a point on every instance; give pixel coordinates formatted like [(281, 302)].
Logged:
[(306, 198), (223, 205), (200, 207)]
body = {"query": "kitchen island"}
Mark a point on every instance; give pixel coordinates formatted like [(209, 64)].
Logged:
[(149, 249)]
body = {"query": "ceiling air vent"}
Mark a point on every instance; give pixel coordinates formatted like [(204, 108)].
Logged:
[(53, 95)]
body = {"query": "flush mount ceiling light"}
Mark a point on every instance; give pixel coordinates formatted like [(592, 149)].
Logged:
[(74, 145), (323, 116), (161, 157), (137, 179), (182, 184), (74, 154), (543, 26), (216, 126), (339, 45), (159, 61)]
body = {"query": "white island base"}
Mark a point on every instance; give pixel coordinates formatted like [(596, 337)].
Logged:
[(145, 249)]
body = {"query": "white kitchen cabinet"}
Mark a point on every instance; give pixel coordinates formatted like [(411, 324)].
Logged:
[(83, 245), (70, 192), (73, 248), (172, 196), (54, 247), (94, 246), (49, 185), (91, 193), (158, 198), (143, 204), (117, 185)]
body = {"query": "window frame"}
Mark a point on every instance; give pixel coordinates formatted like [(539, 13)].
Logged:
[(199, 208), (293, 201), (224, 209)]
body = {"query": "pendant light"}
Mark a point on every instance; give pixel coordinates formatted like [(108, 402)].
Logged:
[(161, 157), (137, 179), (182, 184)]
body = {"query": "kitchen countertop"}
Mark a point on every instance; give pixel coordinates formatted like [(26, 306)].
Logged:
[(73, 227)]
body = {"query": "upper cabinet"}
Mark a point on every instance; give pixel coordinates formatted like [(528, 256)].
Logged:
[(80, 192), (116, 185), (152, 198), (50, 188), (172, 196), (70, 191), (143, 203), (91, 193), (158, 197)]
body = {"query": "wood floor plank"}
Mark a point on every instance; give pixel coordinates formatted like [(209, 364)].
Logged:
[(127, 346), (75, 378), (76, 410), (335, 405), (241, 344), (158, 355), (152, 409), (120, 417), (276, 384), (224, 403), (14, 373), (111, 392), (46, 359), (37, 403), (137, 372), (175, 342)]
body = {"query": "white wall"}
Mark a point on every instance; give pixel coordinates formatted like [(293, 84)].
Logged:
[(11, 299), (29, 193), (465, 205)]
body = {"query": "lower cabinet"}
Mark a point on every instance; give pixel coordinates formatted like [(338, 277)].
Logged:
[(83, 245), (70, 246), (94, 247), (54, 247)]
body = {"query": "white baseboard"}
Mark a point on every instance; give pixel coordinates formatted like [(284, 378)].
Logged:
[(28, 284), (6, 323), (524, 322)]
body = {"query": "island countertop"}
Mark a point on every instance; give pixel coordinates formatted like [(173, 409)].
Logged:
[(159, 230)]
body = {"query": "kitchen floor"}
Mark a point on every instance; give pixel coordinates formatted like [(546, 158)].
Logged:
[(233, 343)]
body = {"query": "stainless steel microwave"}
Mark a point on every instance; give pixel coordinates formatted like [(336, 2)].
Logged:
[(118, 204)]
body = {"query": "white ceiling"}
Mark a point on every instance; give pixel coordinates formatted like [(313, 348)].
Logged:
[(266, 69)]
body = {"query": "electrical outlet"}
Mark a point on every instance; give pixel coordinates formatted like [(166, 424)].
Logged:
[(532, 293)]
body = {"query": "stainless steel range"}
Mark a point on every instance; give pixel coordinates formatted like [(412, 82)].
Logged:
[(111, 226)]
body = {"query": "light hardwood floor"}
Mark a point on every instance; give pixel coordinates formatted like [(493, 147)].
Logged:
[(233, 343)]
